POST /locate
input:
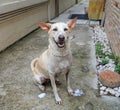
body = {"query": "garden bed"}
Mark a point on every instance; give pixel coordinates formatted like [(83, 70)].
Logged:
[(108, 65)]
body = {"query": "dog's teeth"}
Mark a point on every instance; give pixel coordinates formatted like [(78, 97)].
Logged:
[(61, 45)]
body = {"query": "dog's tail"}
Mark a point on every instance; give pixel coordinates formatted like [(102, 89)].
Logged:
[(33, 63)]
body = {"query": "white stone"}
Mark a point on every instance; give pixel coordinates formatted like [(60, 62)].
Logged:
[(112, 91), (42, 95), (102, 88), (105, 92), (108, 89), (99, 35), (119, 90), (78, 92), (116, 89), (101, 92), (117, 94), (100, 84)]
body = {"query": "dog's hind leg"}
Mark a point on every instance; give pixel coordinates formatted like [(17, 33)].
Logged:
[(39, 81), (57, 81)]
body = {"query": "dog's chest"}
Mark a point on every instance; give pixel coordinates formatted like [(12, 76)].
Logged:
[(61, 66), (64, 65)]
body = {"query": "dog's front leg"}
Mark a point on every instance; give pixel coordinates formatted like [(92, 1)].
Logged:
[(70, 91), (57, 98)]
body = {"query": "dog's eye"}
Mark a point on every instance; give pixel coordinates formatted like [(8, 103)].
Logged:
[(65, 29), (55, 29)]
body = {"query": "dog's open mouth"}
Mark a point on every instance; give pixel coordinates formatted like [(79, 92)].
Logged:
[(60, 44)]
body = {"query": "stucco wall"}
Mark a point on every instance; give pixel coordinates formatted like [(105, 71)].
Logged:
[(14, 29), (52, 8), (65, 4), (10, 5), (21, 24)]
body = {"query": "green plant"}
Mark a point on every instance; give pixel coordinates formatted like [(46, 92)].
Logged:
[(117, 67), (117, 64), (117, 59), (105, 61), (99, 52), (111, 56), (99, 49)]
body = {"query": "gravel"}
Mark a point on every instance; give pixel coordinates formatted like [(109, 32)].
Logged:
[(100, 36)]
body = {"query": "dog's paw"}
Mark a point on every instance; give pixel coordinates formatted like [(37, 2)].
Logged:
[(41, 87), (58, 101), (71, 92)]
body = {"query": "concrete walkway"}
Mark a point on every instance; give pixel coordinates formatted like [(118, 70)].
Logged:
[(17, 91)]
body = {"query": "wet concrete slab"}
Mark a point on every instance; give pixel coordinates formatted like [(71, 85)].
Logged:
[(17, 91)]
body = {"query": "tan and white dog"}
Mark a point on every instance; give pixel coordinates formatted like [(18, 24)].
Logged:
[(57, 58)]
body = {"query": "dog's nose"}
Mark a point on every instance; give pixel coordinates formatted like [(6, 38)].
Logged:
[(61, 38)]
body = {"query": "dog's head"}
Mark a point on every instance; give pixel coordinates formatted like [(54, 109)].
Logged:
[(59, 32)]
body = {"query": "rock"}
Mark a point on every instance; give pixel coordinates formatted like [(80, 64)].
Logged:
[(78, 92), (105, 92), (112, 91), (117, 94), (116, 88), (101, 92), (108, 89), (101, 85), (119, 90), (109, 78), (42, 95), (103, 88)]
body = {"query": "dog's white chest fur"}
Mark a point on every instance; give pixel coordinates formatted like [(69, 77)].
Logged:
[(60, 65), (64, 66)]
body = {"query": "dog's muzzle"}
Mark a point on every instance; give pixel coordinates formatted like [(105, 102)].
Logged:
[(61, 41)]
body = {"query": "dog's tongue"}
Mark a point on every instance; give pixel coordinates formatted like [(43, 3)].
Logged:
[(61, 44)]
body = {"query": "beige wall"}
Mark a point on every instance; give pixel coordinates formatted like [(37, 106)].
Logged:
[(52, 8), (14, 29), (79, 0), (65, 4), (11, 5)]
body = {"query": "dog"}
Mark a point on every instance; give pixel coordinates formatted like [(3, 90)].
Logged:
[(57, 59)]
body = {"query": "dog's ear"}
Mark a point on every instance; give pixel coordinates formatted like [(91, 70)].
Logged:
[(71, 23), (45, 26)]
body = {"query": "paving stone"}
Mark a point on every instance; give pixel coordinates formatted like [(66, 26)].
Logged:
[(109, 78)]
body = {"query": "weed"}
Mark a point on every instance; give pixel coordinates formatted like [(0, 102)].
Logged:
[(105, 61), (99, 49), (117, 67), (99, 53)]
